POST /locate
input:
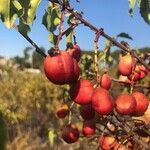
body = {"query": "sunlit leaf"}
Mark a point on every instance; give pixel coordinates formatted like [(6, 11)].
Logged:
[(51, 136), (51, 18), (131, 6), (52, 38), (9, 10), (30, 7)]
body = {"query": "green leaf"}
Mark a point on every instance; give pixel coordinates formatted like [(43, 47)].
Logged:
[(52, 38), (30, 7), (145, 10), (51, 18), (102, 56), (9, 10), (69, 35), (131, 6), (18, 7), (51, 136), (23, 28), (124, 35)]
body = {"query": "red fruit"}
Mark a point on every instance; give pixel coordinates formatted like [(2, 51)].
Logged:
[(62, 111), (75, 52), (139, 73), (107, 142), (136, 75), (81, 92), (126, 65), (143, 71), (105, 81), (61, 68), (142, 103), (88, 128), (87, 112), (70, 133), (125, 104), (102, 101)]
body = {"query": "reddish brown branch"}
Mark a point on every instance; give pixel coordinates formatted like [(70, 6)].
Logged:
[(56, 47), (94, 28)]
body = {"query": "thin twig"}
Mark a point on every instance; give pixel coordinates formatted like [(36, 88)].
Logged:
[(31, 42), (96, 54)]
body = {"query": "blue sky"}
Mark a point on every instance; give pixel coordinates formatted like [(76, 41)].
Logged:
[(110, 15)]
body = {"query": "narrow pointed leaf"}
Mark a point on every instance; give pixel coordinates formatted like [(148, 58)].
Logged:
[(124, 35)]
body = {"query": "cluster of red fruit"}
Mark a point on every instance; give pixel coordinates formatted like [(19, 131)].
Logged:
[(130, 70), (62, 68)]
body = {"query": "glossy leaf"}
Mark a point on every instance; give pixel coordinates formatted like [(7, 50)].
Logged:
[(51, 18), (30, 7), (145, 10), (9, 10)]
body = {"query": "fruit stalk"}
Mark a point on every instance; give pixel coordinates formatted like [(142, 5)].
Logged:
[(96, 54)]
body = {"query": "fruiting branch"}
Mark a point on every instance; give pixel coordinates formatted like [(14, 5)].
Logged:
[(94, 28)]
